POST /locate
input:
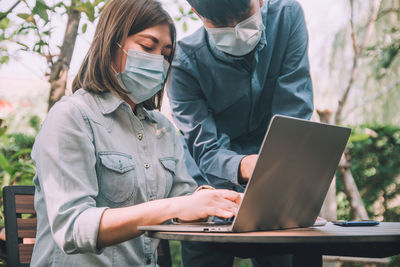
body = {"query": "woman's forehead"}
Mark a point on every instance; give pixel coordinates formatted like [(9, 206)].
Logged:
[(159, 33)]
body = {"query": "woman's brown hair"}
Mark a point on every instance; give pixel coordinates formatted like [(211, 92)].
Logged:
[(119, 19)]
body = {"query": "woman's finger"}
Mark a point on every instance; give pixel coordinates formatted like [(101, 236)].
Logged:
[(227, 205), (223, 213), (230, 195)]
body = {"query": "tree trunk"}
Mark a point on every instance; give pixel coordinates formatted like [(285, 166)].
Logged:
[(357, 207), (59, 70), (358, 50), (329, 208), (358, 210)]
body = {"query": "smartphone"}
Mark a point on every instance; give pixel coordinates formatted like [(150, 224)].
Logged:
[(356, 223)]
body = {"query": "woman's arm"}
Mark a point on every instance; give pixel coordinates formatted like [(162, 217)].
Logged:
[(120, 224)]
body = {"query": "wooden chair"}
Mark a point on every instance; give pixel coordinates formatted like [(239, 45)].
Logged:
[(20, 230)]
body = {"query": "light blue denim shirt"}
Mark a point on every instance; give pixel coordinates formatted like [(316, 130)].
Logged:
[(94, 153), (223, 104)]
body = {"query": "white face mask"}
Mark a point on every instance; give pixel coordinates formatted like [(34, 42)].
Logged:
[(144, 75), (239, 40)]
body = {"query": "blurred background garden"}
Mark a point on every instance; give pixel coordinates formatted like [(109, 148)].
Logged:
[(354, 52)]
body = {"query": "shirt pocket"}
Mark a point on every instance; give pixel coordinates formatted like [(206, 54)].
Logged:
[(118, 177), (169, 164)]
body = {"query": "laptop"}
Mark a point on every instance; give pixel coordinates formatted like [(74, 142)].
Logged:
[(295, 167)]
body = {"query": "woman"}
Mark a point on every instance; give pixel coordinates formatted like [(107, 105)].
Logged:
[(106, 161)]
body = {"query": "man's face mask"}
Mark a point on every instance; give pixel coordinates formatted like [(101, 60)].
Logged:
[(241, 39), (144, 75)]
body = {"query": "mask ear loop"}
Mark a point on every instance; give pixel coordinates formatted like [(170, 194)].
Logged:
[(121, 73), (122, 48)]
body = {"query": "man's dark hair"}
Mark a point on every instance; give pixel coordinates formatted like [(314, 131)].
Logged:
[(222, 12)]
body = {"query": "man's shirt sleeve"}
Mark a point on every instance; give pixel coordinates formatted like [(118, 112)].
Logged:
[(209, 148), (293, 94)]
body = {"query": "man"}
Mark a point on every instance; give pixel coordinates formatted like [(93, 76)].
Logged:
[(228, 79)]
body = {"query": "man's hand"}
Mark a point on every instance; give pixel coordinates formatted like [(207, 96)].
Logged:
[(246, 168)]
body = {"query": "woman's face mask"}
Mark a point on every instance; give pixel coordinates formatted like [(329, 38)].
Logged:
[(241, 39), (144, 75)]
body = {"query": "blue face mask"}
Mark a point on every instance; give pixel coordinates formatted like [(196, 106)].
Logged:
[(144, 75), (239, 40)]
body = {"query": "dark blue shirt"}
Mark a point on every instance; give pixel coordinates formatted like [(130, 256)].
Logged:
[(223, 104)]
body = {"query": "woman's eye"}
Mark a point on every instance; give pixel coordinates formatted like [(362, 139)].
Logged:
[(146, 48)]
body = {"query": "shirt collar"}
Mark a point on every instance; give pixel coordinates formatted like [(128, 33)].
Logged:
[(144, 114), (108, 103)]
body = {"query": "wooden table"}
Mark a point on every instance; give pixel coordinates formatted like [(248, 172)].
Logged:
[(306, 244)]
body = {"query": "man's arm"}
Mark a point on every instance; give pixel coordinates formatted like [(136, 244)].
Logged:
[(293, 95), (210, 149)]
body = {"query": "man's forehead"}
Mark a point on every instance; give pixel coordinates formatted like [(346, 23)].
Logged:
[(254, 7)]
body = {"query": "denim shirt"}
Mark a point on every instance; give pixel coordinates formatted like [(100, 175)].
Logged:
[(223, 104), (94, 153)]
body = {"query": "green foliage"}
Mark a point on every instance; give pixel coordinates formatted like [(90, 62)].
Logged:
[(395, 261), (35, 21), (175, 251), (184, 16), (375, 165), (41, 9), (16, 166), (4, 24), (378, 63)]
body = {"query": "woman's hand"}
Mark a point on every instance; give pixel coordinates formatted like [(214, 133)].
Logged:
[(221, 203)]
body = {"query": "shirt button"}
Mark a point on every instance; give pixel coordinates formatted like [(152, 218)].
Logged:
[(140, 136), (146, 165), (151, 198)]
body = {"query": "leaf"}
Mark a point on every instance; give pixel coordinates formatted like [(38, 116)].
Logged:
[(26, 16), (358, 137), (4, 23), (21, 44), (4, 59), (4, 164), (41, 10), (97, 2), (103, 6), (177, 18), (22, 152), (181, 10), (185, 27), (90, 11), (84, 28), (24, 29)]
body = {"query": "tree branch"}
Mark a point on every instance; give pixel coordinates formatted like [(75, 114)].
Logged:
[(59, 70), (387, 11), (358, 49), (378, 95), (371, 23), (9, 10)]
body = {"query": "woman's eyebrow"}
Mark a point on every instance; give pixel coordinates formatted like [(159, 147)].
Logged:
[(149, 36), (154, 39)]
